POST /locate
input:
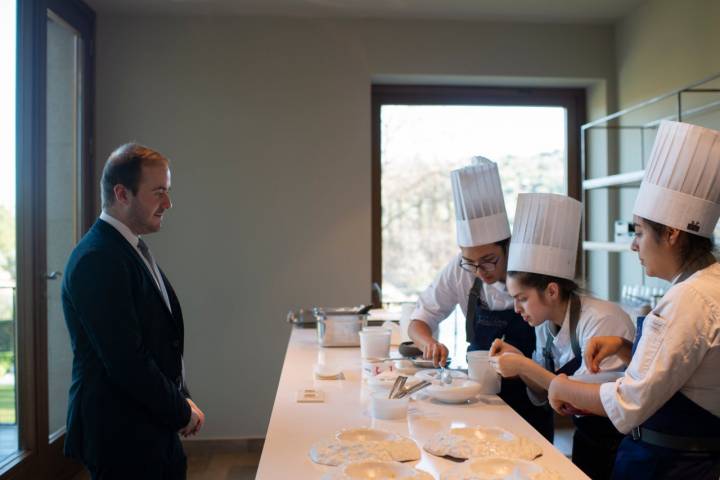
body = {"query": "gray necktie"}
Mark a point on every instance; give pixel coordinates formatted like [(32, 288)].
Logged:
[(145, 251), (142, 246)]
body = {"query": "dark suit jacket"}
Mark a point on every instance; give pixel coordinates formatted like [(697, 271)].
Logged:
[(127, 399)]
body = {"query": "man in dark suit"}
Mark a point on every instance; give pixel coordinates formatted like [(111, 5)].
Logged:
[(128, 399)]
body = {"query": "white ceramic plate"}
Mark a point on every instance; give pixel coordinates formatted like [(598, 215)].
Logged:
[(364, 444), (376, 470), (433, 375), (478, 441), (457, 392), (600, 377), (499, 468)]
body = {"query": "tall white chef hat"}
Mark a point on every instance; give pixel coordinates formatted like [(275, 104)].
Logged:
[(681, 186), (479, 204), (545, 235)]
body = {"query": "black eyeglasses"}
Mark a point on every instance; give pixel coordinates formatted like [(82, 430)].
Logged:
[(487, 265)]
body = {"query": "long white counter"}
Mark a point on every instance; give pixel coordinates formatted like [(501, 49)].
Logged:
[(294, 427)]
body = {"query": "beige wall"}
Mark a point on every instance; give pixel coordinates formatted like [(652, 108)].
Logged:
[(267, 122), (664, 45)]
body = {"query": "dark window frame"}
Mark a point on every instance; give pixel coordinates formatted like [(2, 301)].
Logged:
[(572, 99), (39, 456)]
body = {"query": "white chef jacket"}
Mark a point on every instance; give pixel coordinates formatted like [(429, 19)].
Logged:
[(679, 350), (450, 288), (597, 318)]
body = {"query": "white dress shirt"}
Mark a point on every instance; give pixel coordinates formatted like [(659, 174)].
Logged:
[(679, 351), (450, 288), (133, 240)]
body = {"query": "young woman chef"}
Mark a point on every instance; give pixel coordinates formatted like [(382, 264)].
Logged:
[(474, 279), (669, 398), (541, 269)]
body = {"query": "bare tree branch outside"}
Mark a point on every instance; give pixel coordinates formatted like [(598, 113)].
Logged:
[(420, 145)]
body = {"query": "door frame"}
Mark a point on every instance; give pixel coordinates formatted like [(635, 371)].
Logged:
[(38, 455)]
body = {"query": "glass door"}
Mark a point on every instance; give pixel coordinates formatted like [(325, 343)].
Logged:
[(63, 198), (46, 187), (68, 203)]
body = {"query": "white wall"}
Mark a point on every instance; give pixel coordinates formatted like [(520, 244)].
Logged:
[(267, 123), (662, 46)]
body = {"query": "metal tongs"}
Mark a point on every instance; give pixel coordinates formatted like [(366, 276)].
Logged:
[(399, 383), (398, 390)]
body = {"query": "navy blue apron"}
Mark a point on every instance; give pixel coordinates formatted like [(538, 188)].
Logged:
[(679, 441), (488, 325), (595, 440)]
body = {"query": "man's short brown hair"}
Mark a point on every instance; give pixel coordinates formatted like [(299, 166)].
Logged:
[(124, 167)]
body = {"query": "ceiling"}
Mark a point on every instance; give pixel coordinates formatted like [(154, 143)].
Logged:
[(557, 11)]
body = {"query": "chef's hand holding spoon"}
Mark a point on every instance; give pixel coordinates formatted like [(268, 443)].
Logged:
[(437, 352), (499, 347)]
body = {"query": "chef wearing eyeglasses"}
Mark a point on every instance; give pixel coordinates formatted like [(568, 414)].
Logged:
[(475, 280)]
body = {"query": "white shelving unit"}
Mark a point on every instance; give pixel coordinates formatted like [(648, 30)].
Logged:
[(606, 246), (619, 180), (624, 160)]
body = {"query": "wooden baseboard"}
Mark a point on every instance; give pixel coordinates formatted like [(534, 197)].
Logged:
[(202, 446)]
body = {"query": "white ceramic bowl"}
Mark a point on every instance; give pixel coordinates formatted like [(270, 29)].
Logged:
[(382, 382), (457, 392), (433, 375), (372, 367), (325, 371), (386, 380), (388, 408)]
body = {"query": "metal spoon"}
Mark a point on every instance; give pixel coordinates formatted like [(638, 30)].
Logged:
[(445, 376)]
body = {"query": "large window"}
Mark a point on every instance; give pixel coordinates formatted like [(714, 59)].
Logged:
[(420, 145), (421, 134)]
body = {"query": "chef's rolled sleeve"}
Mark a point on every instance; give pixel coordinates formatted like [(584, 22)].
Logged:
[(674, 342)]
